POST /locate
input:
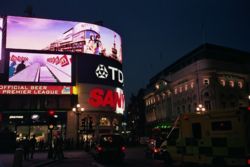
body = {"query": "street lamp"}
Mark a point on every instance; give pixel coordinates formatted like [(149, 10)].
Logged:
[(77, 110), (200, 109)]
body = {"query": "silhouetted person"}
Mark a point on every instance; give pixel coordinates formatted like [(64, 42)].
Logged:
[(32, 146), (20, 67), (41, 145), (26, 148), (58, 148)]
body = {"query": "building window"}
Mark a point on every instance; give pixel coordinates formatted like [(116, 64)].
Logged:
[(178, 110), (206, 81), (223, 82), (196, 129), (186, 87), (208, 105), (104, 121), (206, 94), (115, 122), (189, 108), (183, 108), (231, 84), (192, 85), (195, 105), (175, 91), (240, 84), (180, 89)]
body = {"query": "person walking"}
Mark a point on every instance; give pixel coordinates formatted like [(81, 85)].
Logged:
[(32, 146), (58, 148), (26, 148)]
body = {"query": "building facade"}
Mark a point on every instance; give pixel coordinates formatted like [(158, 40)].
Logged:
[(53, 68), (210, 77)]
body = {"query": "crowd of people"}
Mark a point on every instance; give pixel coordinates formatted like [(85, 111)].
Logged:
[(30, 146)]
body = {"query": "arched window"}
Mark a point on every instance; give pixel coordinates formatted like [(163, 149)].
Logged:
[(206, 94), (240, 84), (222, 82), (231, 83), (104, 121), (115, 122)]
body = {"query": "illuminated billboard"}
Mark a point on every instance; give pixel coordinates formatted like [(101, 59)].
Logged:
[(40, 68), (1, 35), (62, 36), (98, 70), (35, 90), (102, 98)]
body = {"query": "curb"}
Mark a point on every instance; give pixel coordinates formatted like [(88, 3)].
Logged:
[(46, 163)]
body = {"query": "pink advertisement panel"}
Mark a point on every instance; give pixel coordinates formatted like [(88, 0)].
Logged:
[(62, 36), (41, 68)]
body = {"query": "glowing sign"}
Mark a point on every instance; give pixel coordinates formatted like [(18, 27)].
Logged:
[(107, 98), (16, 117), (120, 107), (62, 36), (35, 90), (100, 71), (37, 67), (103, 72)]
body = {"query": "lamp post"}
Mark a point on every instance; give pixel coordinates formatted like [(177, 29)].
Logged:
[(77, 110), (200, 109)]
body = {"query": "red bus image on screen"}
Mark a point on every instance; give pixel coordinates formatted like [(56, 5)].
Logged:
[(37, 67)]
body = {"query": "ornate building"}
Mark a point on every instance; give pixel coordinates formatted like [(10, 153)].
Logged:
[(208, 78)]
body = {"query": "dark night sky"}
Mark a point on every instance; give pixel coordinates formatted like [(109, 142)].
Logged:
[(154, 33)]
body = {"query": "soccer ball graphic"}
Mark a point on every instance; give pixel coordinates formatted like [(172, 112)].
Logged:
[(101, 71)]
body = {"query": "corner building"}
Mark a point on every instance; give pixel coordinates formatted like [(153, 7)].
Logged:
[(54, 68), (213, 76)]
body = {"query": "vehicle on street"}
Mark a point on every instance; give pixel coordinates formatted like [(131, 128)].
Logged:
[(217, 138), (152, 150), (109, 147)]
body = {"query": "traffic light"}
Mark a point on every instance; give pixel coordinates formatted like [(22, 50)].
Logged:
[(51, 119)]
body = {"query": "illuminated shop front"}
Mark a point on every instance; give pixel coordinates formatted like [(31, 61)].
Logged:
[(55, 66)]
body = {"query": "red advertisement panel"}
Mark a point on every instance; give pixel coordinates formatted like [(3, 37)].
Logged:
[(35, 90)]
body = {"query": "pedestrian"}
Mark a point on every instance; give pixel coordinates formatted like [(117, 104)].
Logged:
[(32, 146), (26, 148), (58, 148), (41, 144)]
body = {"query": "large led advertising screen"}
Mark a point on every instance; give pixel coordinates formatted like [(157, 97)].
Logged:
[(40, 68), (98, 70), (62, 36)]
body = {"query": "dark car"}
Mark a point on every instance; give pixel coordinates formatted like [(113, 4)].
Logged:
[(109, 147), (152, 150)]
